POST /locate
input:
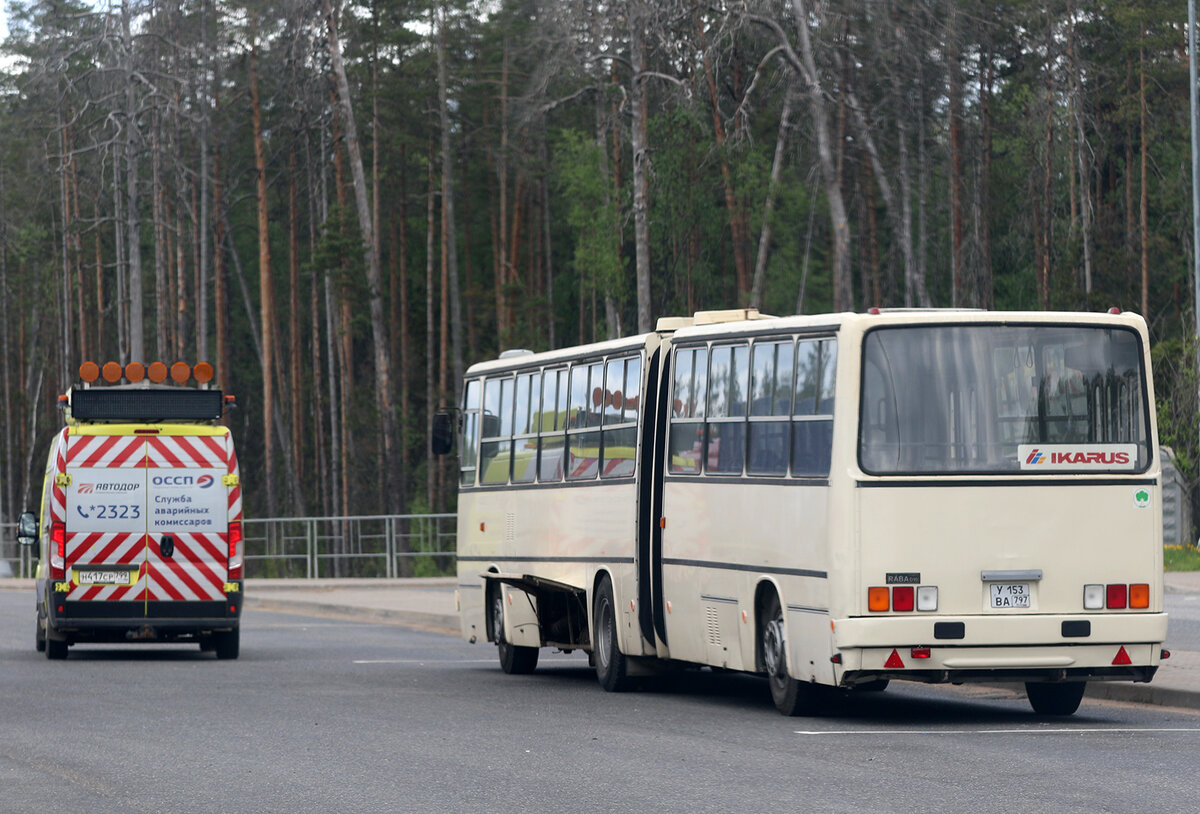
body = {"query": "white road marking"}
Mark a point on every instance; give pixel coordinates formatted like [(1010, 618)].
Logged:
[(1077, 730), (458, 661)]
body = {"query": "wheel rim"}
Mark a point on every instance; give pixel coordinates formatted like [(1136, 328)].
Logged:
[(773, 643), (497, 618), (603, 623)]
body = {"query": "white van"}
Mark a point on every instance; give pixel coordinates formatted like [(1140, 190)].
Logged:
[(139, 536)]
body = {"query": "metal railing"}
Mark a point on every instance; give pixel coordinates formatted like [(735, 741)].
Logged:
[(386, 545)]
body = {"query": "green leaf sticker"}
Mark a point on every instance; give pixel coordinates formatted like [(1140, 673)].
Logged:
[(1141, 498)]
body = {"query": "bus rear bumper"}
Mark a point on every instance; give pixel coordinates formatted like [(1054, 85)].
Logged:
[(958, 665)]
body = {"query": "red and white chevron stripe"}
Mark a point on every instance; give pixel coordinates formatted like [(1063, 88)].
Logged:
[(106, 451), (196, 569), (235, 492), (96, 548), (58, 497), (175, 451)]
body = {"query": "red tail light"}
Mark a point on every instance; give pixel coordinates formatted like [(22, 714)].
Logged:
[(1116, 597), (902, 597), (236, 550), (58, 550)]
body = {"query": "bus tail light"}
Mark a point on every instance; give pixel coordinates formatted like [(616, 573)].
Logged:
[(236, 551), (58, 550), (1116, 597), (903, 598), (927, 598), (1139, 596), (1093, 597), (921, 652), (877, 599)]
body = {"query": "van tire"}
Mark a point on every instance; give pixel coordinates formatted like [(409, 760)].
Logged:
[(56, 649), (226, 643), (39, 637), (612, 668)]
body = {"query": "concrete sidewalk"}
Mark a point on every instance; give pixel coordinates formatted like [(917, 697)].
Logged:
[(429, 604)]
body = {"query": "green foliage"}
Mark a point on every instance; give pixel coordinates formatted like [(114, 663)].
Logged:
[(1181, 558)]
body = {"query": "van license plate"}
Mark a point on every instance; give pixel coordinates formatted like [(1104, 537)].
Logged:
[(1010, 594), (103, 577)]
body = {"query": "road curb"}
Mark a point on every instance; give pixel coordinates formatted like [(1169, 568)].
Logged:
[(1143, 694), (447, 624)]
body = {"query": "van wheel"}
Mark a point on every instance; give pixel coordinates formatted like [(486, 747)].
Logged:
[(515, 659), (611, 665), (791, 697), (56, 649), (1061, 698), (39, 639), (226, 643), (206, 643)]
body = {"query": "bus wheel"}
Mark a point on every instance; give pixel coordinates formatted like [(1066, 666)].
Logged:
[(1061, 698), (514, 659), (611, 666), (790, 696)]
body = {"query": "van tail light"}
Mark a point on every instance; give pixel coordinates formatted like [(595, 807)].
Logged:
[(236, 550), (58, 550)]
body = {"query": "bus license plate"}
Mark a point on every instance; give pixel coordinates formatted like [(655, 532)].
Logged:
[(1010, 594)]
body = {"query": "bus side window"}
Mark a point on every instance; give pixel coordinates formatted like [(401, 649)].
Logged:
[(587, 400), (622, 385), (770, 407), (812, 415), (495, 449), (687, 411), (552, 425), (524, 454), (729, 374), (469, 448)]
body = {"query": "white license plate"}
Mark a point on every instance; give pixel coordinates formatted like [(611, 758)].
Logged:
[(1009, 594), (104, 577)]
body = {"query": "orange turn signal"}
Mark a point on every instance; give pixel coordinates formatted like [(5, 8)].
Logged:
[(877, 599), (1139, 596)]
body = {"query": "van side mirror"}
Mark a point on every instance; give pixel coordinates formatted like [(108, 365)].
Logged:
[(443, 433), (27, 529)]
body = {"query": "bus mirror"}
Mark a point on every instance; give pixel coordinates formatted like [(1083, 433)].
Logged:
[(491, 425), (443, 433), (27, 530)]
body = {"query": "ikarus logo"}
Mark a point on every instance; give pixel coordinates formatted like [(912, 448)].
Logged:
[(1078, 457), (1141, 498), (1035, 457)]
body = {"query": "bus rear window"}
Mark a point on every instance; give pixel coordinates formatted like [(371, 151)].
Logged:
[(1002, 399)]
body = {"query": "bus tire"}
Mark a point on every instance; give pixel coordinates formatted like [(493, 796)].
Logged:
[(791, 697), (227, 643), (1057, 698), (514, 659), (612, 668)]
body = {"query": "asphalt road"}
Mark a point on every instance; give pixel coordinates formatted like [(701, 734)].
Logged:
[(326, 715), (1183, 621)]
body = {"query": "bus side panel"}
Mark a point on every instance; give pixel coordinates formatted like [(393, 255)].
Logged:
[(720, 542), (563, 534)]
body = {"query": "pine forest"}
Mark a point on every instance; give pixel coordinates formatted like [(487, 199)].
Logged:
[(342, 205)]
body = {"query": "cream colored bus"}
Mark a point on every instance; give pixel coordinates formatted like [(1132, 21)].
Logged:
[(829, 501)]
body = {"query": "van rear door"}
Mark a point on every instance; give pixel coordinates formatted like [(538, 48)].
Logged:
[(188, 515), (105, 518)]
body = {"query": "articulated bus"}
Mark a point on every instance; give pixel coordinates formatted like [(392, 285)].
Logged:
[(829, 501)]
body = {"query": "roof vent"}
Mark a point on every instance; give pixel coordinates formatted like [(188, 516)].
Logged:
[(515, 352), (731, 315)]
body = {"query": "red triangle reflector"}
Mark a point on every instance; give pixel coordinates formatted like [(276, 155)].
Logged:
[(1122, 657), (894, 661)]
